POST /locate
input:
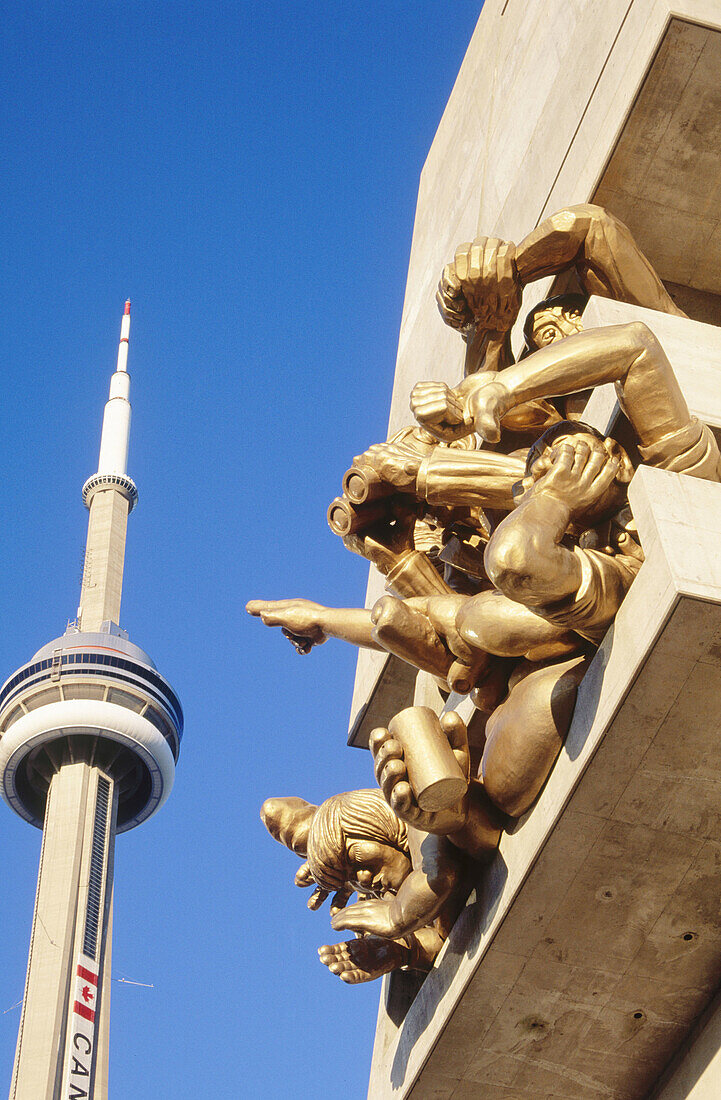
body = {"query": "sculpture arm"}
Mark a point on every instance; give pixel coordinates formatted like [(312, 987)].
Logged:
[(419, 899), (629, 355), (525, 558), (448, 476), (415, 905), (607, 259), (307, 624), (452, 478), (350, 624)]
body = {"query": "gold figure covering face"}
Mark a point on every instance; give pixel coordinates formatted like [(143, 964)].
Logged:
[(410, 886), (532, 508)]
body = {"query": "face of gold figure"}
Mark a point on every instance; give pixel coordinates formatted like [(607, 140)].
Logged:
[(555, 323), (375, 868)]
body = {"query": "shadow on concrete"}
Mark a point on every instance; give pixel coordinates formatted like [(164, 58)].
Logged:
[(464, 942), (589, 693)]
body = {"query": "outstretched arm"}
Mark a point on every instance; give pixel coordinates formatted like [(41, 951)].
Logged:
[(485, 281), (306, 624), (449, 477), (629, 355)]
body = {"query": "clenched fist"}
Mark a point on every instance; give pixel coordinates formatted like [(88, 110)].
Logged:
[(481, 286), (439, 410)]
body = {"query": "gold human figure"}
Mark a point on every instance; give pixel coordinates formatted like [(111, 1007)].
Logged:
[(411, 886), (523, 647)]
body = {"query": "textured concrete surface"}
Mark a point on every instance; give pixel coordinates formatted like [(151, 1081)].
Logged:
[(104, 560), (533, 123), (674, 127), (392, 691)]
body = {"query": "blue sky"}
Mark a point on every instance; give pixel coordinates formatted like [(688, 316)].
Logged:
[(247, 174)]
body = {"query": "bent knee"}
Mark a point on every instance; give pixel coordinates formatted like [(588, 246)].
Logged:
[(514, 793), (507, 564), (385, 611)]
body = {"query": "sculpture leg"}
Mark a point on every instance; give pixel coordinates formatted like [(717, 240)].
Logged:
[(408, 633), (496, 624), (525, 733)]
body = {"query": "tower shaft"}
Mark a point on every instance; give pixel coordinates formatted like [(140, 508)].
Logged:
[(62, 1041), (89, 736), (104, 560)]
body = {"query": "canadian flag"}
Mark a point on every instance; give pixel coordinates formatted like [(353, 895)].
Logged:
[(79, 1069), (86, 991)]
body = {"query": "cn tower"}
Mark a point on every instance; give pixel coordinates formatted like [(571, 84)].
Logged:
[(89, 738)]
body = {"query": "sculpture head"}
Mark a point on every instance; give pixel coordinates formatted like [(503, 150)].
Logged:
[(352, 837), (553, 319), (355, 837), (571, 431)]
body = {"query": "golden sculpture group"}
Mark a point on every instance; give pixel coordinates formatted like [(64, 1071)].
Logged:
[(501, 523)]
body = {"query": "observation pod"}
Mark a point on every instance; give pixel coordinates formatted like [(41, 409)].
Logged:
[(95, 698)]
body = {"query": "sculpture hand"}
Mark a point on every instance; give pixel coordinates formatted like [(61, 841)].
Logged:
[(370, 915), (454, 308), (486, 405), (299, 619), (304, 879), (439, 410), (397, 463), (576, 475), (481, 285), (392, 776)]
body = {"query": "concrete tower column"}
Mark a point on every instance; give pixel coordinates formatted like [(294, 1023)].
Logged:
[(89, 737), (104, 560), (69, 941)]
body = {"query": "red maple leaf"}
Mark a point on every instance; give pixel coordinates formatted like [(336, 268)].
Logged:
[(87, 993)]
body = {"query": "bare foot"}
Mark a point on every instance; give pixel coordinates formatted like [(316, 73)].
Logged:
[(363, 960)]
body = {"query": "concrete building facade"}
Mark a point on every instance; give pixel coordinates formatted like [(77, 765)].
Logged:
[(588, 959)]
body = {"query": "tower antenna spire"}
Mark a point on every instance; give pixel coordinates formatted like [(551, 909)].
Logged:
[(110, 495)]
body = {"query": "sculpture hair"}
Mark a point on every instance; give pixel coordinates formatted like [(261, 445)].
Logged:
[(356, 815)]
